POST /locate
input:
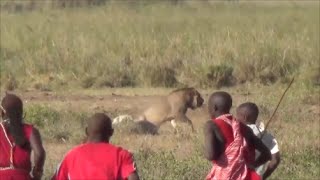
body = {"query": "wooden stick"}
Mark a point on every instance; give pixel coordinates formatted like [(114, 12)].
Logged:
[(274, 112)]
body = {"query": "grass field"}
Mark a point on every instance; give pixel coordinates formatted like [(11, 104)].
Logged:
[(158, 44), (63, 63), (61, 115)]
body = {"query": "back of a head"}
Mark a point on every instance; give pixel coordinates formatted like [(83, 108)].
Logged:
[(100, 125), (219, 102), (250, 111), (13, 110), (12, 105)]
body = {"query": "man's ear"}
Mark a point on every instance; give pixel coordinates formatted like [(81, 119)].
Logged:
[(245, 117), (215, 108), (87, 131), (111, 132), (2, 111)]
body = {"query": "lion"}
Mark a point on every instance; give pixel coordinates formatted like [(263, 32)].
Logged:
[(172, 107)]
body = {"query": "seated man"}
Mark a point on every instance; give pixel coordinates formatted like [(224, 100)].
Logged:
[(230, 144), (248, 114), (97, 158)]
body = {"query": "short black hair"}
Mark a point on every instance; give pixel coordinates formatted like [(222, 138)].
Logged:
[(99, 123), (252, 111), (220, 101)]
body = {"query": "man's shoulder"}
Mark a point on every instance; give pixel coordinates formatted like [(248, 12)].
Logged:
[(121, 149), (75, 150), (256, 131)]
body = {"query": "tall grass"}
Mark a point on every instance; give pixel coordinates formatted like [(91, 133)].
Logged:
[(158, 44)]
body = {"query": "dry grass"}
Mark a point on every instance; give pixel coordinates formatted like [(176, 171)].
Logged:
[(76, 52), (146, 44)]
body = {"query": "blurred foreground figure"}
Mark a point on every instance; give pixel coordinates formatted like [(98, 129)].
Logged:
[(97, 158), (229, 144), (248, 113), (17, 140)]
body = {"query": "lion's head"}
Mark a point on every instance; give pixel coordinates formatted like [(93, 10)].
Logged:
[(191, 96)]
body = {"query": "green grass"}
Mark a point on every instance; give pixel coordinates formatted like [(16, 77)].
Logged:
[(170, 156), (158, 44), (256, 46), (57, 126)]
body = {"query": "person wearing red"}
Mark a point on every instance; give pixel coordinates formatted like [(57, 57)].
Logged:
[(229, 144), (17, 140), (97, 158)]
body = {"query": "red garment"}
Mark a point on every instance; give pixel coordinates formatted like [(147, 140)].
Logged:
[(227, 133), (232, 164), (21, 156), (96, 161)]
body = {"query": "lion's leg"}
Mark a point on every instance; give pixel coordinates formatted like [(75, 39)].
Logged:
[(174, 125), (184, 118)]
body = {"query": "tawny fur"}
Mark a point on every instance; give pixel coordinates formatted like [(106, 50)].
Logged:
[(172, 108)]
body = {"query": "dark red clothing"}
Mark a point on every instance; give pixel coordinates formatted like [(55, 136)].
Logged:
[(228, 134), (21, 156), (96, 161)]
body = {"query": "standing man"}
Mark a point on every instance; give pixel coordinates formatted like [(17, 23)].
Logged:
[(230, 144), (97, 158), (248, 114), (17, 141)]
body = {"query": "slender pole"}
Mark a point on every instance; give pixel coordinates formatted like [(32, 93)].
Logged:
[(274, 112)]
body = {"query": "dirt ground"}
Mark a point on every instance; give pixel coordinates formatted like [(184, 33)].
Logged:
[(122, 102), (114, 104)]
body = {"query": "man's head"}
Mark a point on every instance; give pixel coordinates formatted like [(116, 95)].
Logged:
[(99, 127), (11, 111), (11, 107), (219, 103), (248, 113)]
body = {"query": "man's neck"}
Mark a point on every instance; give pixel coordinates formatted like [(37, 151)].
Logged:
[(217, 114), (97, 140)]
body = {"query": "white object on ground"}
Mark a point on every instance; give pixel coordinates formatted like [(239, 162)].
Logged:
[(121, 118)]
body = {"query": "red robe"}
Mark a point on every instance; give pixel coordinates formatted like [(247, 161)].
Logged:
[(21, 156), (95, 161), (233, 163)]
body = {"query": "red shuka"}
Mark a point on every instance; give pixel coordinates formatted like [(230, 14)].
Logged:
[(96, 161), (21, 166), (233, 163)]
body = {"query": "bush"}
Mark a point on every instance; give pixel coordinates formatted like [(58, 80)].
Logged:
[(159, 76), (57, 125), (219, 75), (42, 116)]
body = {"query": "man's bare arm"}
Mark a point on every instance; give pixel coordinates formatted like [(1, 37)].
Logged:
[(133, 176), (39, 153), (273, 164), (213, 141), (265, 154)]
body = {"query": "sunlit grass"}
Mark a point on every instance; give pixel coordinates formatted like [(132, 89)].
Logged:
[(143, 45)]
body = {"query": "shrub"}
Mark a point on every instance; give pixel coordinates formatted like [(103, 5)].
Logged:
[(219, 75), (57, 125), (159, 76)]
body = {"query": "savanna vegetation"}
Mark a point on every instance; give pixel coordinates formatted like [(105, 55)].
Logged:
[(159, 44), (250, 49)]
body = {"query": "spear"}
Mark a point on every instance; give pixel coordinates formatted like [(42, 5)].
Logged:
[(274, 112)]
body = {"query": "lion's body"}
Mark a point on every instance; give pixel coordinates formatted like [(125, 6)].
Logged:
[(172, 108)]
